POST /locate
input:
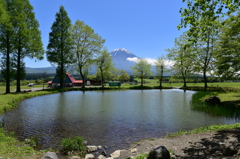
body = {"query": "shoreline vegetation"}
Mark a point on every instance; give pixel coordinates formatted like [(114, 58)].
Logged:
[(227, 92)]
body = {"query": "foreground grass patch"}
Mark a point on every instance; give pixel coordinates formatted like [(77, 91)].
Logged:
[(12, 148)]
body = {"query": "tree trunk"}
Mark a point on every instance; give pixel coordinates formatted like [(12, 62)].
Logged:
[(8, 73), (205, 79), (161, 78), (141, 81), (102, 78), (18, 77), (83, 79), (61, 76), (184, 82)]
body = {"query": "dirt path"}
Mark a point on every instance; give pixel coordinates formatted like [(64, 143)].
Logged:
[(194, 146)]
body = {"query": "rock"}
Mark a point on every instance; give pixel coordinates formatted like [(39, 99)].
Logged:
[(101, 157), (50, 155), (117, 153), (159, 152), (75, 157), (213, 100), (230, 151), (92, 148), (104, 153), (100, 147), (89, 156), (133, 150)]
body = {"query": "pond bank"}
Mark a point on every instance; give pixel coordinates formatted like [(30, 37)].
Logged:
[(26, 96)]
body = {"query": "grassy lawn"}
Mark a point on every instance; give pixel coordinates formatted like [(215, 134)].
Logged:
[(13, 88)]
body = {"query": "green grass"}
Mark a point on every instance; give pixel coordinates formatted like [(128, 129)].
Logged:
[(12, 148), (10, 101), (230, 103), (212, 128)]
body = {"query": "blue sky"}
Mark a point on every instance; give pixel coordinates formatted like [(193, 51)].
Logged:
[(144, 27)]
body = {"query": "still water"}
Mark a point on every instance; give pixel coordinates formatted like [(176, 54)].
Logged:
[(111, 118)]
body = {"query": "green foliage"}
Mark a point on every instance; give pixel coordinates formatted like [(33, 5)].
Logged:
[(20, 38), (183, 60), (142, 70), (227, 57), (87, 45), (60, 46), (160, 68), (74, 146), (207, 11), (105, 65)]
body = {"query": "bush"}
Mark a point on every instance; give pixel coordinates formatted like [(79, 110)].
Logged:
[(74, 146)]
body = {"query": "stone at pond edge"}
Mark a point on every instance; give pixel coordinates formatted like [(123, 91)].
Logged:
[(230, 151), (117, 153), (89, 156), (159, 152), (101, 157), (75, 157), (50, 155), (92, 148), (213, 100)]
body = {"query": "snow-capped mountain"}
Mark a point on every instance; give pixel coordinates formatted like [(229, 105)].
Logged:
[(122, 59)]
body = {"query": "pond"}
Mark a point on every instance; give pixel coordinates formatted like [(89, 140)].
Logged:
[(114, 119)]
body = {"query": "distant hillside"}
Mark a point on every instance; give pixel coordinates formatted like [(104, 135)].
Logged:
[(41, 70)]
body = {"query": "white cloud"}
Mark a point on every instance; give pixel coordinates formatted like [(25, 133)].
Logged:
[(168, 63)]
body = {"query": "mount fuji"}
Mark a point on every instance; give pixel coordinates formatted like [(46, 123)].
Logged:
[(122, 59)]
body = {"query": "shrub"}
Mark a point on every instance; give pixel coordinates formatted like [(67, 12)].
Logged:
[(74, 146)]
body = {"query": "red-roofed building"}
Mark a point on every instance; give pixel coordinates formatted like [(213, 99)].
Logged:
[(68, 82)]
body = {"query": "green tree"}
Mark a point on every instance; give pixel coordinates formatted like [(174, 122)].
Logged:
[(87, 45), (228, 55), (27, 40), (60, 46), (181, 54), (205, 50), (205, 12), (105, 65), (160, 67), (123, 76), (20, 38), (142, 69)]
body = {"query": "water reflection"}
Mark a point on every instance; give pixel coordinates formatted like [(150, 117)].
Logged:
[(111, 118)]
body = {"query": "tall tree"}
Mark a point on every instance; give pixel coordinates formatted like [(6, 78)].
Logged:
[(142, 69), (105, 65), (87, 45), (160, 67), (19, 38), (228, 55), (6, 38), (28, 38), (182, 56), (60, 46)]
